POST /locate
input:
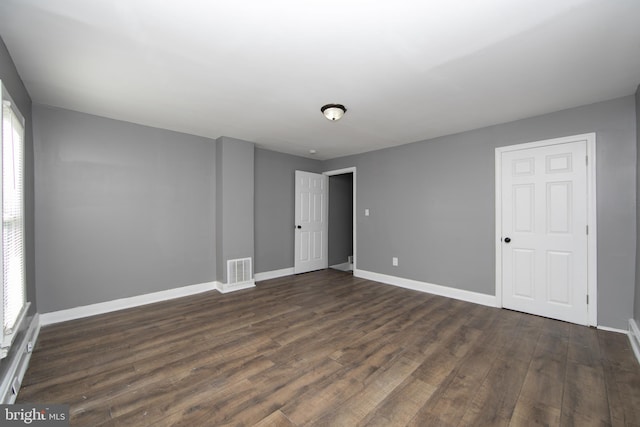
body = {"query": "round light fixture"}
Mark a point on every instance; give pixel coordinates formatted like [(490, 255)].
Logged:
[(333, 112)]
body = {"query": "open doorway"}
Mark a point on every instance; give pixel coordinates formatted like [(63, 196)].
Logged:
[(341, 215)]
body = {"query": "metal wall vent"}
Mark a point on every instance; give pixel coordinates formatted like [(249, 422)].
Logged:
[(239, 271)]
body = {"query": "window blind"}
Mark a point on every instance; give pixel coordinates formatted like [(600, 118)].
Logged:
[(12, 217)]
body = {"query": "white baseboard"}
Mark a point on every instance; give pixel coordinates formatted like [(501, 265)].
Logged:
[(123, 303), (225, 288), (345, 266), (610, 329), (258, 277), (12, 380), (445, 291), (634, 337)]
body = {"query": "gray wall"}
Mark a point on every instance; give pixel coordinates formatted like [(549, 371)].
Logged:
[(432, 203), (274, 207), (636, 313), (122, 209), (234, 202), (340, 218)]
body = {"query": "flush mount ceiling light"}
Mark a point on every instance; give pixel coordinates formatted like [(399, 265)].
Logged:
[(333, 112)]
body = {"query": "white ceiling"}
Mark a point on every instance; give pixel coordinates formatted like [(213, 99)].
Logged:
[(260, 70)]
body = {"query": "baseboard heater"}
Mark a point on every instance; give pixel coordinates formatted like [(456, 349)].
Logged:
[(18, 362)]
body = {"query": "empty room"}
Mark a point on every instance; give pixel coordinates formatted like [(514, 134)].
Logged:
[(320, 213)]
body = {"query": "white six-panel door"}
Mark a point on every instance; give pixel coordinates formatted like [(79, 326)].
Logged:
[(311, 227), (544, 231)]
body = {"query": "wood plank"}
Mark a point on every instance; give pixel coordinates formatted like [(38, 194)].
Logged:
[(585, 400), (584, 347), (326, 348), (497, 397), (356, 409), (622, 386), (324, 397), (545, 390), (533, 413), (450, 401), (275, 419), (444, 358), (613, 346), (402, 404)]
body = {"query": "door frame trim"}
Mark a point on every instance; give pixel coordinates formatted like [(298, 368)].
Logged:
[(592, 238), (343, 171)]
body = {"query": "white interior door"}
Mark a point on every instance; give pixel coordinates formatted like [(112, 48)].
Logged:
[(312, 225), (544, 231)]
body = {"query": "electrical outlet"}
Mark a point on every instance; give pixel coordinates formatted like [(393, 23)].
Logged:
[(366, 212), (29, 347), (394, 261)]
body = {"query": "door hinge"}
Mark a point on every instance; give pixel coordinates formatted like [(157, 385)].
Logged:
[(586, 160), (587, 299), (587, 227)]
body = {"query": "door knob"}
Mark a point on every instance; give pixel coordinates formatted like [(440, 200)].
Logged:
[(298, 226), (507, 239)]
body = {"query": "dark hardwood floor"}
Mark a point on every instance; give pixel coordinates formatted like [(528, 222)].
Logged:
[(328, 349)]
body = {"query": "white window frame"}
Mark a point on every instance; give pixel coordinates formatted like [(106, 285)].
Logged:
[(7, 336)]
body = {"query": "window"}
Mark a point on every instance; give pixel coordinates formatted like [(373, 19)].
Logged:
[(12, 249)]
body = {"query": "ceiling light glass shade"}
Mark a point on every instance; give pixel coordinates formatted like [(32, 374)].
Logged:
[(333, 111)]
